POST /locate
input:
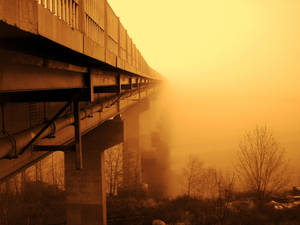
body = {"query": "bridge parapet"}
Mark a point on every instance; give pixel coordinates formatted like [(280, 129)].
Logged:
[(89, 27)]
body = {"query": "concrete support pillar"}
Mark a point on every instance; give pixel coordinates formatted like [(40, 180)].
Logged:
[(86, 195), (132, 155), (86, 188)]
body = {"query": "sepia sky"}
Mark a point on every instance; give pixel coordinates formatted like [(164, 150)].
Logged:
[(232, 65)]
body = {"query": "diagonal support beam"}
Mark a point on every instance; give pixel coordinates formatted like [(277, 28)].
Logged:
[(45, 127), (77, 146)]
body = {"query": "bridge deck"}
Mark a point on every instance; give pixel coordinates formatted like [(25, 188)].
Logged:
[(87, 27)]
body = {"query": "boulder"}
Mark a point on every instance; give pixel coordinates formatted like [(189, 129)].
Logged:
[(158, 222)]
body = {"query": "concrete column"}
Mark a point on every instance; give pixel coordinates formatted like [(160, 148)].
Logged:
[(131, 152), (86, 195), (132, 155)]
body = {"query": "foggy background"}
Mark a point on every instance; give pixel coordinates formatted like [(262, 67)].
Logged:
[(230, 66)]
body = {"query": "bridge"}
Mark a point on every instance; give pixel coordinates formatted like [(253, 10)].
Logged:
[(69, 76)]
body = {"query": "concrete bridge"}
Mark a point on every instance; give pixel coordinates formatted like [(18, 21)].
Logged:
[(68, 70)]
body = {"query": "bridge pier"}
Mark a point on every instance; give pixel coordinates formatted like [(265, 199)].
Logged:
[(86, 189), (132, 155), (86, 194)]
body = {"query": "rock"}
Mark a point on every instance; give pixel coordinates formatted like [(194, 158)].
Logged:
[(158, 222)]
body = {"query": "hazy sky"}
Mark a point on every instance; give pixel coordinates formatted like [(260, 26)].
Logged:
[(232, 65)]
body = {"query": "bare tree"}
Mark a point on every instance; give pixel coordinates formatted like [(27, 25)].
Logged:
[(261, 163), (224, 188), (224, 183), (192, 176), (216, 184), (113, 167)]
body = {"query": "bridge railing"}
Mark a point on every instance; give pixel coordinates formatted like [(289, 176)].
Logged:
[(87, 26), (65, 10)]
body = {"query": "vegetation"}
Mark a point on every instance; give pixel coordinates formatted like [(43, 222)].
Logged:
[(261, 163), (113, 169), (38, 204), (203, 182), (210, 196), (186, 210)]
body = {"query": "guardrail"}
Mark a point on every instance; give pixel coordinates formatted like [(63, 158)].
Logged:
[(66, 10)]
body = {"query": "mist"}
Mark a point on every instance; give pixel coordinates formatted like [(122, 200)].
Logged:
[(230, 66), (208, 114), (209, 118)]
